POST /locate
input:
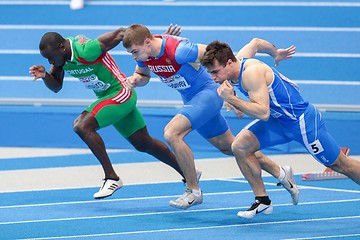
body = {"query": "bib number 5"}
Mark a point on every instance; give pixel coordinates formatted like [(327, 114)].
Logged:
[(316, 147)]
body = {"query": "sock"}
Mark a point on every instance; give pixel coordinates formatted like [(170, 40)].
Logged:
[(263, 199), (282, 174), (197, 193), (112, 179)]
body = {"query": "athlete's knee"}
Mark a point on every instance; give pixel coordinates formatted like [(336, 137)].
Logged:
[(342, 164), (78, 126), (83, 125), (170, 136), (241, 147), (143, 145), (238, 149)]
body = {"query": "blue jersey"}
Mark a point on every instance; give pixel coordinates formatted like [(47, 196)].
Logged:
[(292, 119), (177, 67), (286, 103)]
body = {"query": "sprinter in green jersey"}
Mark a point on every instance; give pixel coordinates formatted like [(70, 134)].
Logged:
[(89, 61)]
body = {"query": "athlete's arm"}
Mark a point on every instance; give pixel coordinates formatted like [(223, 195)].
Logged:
[(188, 52), (254, 81), (257, 45), (201, 51), (109, 40), (140, 77), (53, 80)]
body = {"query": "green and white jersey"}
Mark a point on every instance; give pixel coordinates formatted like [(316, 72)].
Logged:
[(96, 70)]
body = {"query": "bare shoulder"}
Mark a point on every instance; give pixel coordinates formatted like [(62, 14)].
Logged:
[(256, 72), (253, 65), (254, 69)]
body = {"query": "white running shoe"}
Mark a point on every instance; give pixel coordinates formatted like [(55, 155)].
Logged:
[(289, 184), (108, 188), (198, 176), (76, 4), (256, 208), (187, 200)]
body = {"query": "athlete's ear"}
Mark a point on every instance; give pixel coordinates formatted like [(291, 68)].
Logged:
[(147, 41), (62, 47)]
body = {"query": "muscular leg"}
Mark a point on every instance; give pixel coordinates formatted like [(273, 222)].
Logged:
[(244, 147), (143, 142), (267, 164), (223, 142), (174, 133), (85, 126), (347, 166)]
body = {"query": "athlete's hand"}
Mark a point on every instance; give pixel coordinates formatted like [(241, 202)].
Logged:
[(237, 112), (130, 82), (37, 71), (283, 54), (226, 90), (174, 30)]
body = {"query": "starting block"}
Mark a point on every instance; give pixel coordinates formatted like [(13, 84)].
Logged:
[(328, 173)]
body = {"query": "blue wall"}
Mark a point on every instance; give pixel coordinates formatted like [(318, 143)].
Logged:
[(52, 127)]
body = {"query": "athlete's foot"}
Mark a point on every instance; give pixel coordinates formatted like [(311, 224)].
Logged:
[(108, 187), (187, 200), (289, 184), (256, 208)]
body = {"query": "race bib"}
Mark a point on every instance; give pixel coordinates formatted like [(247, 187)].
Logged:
[(177, 82), (316, 147), (92, 82)]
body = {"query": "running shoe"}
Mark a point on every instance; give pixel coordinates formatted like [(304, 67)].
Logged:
[(108, 187), (256, 208), (187, 200), (76, 4), (289, 184)]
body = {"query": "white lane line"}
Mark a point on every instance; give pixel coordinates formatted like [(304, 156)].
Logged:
[(299, 186), (208, 227), (174, 196), (33, 152), (193, 3), (166, 212), (326, 237)]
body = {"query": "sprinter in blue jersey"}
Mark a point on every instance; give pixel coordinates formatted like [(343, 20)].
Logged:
[(281, 113), (176, 61)]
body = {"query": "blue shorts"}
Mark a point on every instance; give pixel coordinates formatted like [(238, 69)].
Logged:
[(309, 130), (204, 112)]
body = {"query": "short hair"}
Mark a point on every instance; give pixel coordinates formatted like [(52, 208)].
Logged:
[(51, 39), (220, 51), (136, 34)]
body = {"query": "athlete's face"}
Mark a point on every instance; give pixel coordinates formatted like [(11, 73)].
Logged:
[(55, 57), (140, 52), (218, 72)]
